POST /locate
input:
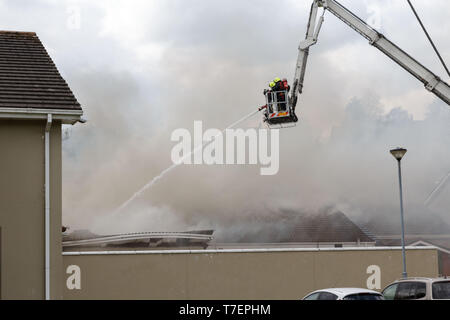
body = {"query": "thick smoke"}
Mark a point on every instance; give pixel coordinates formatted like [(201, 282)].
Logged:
[(142, 71), (351, 170)]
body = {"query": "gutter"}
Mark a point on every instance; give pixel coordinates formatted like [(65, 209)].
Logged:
[(47, 205), (64, 115), (214, 251)]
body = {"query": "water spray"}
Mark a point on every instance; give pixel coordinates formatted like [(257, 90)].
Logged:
[(174, 165), (436, 191)]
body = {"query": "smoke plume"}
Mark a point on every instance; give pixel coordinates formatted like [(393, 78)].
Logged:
[(141, 71)]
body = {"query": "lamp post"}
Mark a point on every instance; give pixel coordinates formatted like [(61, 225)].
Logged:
[(398, 154)]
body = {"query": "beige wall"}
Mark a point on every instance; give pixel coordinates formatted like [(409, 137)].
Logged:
[(203, 275), (234, 275), (22, 209)]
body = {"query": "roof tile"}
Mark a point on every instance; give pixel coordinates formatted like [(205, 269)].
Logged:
[(28, 76)]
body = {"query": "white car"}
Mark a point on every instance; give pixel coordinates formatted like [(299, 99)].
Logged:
[(344, 294), (418, 289)]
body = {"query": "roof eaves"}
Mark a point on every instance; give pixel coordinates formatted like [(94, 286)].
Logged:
[(428, 243), (66, 116)]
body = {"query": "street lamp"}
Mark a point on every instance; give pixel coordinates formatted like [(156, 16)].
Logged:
[(398, 154)]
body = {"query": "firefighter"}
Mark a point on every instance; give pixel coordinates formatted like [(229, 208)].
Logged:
[(285, 85), (268, 93), (279, 87), (277, 84), (272, 86)]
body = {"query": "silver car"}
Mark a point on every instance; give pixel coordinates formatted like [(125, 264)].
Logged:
[(418, 289)]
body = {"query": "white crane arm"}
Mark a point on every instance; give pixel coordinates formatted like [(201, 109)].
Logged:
[(431, 81), (312, 34)]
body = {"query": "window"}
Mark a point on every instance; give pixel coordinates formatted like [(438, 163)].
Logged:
[(327, 296), (364, 296), (389, 292), (411, 291), (441, 290), (314, 296), (421, 290)]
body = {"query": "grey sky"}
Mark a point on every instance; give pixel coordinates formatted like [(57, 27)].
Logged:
[(143, 68)]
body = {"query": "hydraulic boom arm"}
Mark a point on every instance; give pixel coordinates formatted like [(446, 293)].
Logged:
[(431, 81)]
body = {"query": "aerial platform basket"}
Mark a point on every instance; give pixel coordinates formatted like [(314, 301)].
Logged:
[(278, 111)]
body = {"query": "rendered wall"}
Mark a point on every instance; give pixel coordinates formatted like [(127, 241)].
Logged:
[(234, 275), (22, 215), (444, 263)]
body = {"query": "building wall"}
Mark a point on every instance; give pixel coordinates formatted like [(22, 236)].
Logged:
[(444, 263), (22, 197), (288, 274)]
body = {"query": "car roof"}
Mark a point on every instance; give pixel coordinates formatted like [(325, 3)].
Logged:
[(422, 279), (342, 292)]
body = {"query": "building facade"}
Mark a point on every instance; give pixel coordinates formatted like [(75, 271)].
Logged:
[(34, 103)]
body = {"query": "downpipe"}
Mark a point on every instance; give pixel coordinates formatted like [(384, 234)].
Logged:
[(47, 206)]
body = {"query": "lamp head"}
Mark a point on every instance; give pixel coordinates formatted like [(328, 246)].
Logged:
[(398, 153)]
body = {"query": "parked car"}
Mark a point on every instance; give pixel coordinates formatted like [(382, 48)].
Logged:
[(418, 289), (344, 294)]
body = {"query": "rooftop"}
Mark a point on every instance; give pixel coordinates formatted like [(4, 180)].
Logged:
[(144, 240), (440, 241), (295, 226), (28, 77), (327, 226)]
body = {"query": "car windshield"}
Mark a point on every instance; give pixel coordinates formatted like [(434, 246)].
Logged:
[(314, 296), (327, 296), (389, 292), (441, 290), (364, 296)]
